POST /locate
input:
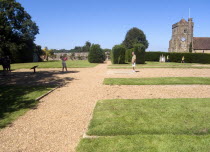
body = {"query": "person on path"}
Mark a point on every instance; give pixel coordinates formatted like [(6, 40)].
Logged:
[(133, 61), (64, 59)]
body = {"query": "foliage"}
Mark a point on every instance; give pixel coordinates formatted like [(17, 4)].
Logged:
[(203, 58), (118, 54), (48, 53), (139, 50), (128, 55), (96, 54), (17, 32), (135, 36)]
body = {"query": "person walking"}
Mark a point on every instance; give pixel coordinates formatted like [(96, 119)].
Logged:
[(64, 59), (133, 61)]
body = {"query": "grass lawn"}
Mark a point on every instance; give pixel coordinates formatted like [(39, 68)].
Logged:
[(16, 101), (158, 81), (144, 67), (149, 63), (161, 65), (149, 125), (146, 143), (151, 116), (53, 64)]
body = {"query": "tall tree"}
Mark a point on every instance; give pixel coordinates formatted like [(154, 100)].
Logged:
[(17, 31), (135, 36)]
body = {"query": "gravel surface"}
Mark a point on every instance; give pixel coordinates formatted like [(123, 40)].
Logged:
[(61, 119)]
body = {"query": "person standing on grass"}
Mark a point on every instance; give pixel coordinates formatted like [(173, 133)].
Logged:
[(64, 59), (133, 61)]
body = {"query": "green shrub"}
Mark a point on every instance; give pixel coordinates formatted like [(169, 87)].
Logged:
[(139, 50), (176, 57), (96, 54), (128, 55), (118, 54)]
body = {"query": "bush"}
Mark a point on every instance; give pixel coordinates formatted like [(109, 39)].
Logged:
[(96, 54), (128, 55), (118, 54), (139, 50), (176, 57)]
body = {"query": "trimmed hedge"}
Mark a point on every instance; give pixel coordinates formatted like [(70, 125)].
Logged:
[(177, 57), (96, 54), (128, 55), (139, 50), (118, 54)]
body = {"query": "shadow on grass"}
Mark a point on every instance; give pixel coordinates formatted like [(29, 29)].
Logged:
[(15, 100), (19, 90)]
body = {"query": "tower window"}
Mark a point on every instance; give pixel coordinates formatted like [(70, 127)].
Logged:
[(185, 31)]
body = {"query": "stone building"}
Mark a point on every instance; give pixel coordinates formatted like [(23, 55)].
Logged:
[(182, 38)]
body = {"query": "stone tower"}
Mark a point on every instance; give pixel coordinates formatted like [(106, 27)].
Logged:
[(182, 36)]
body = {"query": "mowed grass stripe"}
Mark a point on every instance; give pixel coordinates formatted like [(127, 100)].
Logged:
[(53, 64), (158, 81), (151, 116), (147, 143), (144, 67)]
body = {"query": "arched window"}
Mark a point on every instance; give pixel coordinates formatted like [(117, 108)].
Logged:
[(185, 30)]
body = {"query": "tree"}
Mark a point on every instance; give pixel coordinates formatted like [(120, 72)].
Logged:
[(96, 54), (17, 31), (135, 36), (48, 53)]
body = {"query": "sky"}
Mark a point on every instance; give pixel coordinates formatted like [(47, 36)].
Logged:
[(64, 24)]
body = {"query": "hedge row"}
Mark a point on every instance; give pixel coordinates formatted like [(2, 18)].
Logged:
[(118, 54), (176, 57)]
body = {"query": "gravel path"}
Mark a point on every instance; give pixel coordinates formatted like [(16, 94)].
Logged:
[(62, 118)]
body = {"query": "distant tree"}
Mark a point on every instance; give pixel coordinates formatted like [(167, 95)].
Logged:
[(96, 54), (135, 36), (88, 44), (17, 32)]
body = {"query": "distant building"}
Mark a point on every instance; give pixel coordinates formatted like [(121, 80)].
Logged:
[(182, 38)]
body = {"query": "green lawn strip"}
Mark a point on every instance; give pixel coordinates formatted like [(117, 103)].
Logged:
[(142, 67), (158, 81), (146, 143), (161, 64), (151, 116), (53, 64), (17, 100)]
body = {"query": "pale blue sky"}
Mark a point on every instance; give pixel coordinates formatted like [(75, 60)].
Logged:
[(69, 23)]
